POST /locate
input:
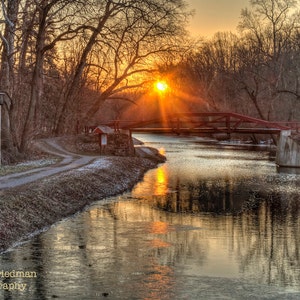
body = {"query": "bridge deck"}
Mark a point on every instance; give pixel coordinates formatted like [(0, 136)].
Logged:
[(208, 130), (212, 122)]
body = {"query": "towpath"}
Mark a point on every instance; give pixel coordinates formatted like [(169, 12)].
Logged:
[(69, 161)]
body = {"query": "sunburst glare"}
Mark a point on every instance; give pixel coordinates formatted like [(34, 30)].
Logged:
[(161, 86)]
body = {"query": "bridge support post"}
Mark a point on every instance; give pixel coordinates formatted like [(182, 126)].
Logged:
[(228, 128), (178, 126), (288, 150)]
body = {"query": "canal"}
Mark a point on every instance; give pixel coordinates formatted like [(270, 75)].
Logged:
[(215, 221)]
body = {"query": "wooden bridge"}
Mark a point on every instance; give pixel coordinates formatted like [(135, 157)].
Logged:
[(213, 122)]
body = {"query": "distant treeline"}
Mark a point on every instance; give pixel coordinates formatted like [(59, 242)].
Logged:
[(70, 63)]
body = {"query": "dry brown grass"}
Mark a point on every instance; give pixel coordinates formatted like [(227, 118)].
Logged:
[(27, 165), (34, 206)]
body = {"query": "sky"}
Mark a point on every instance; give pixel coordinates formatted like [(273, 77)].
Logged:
[(212, 16)]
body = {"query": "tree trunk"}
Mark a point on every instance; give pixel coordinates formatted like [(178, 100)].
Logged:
[(7, 77), (75, 84), (36, 83)]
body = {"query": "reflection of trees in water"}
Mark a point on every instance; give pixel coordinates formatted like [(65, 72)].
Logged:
[(204, 196), (167, 240), (264, 234), (134, 245), (269, 235), (33, 261)]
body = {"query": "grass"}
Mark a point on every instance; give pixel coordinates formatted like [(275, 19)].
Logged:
[(27, 165), (32, 207)]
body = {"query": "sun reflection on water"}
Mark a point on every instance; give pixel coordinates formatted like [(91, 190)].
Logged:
[(197, 226), (158, 227), (161, 184)]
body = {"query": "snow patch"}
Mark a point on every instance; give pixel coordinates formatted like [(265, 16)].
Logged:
[(37, 163), (101, 163)]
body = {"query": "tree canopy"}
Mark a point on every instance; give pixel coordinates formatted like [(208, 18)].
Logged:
[(67, 63), (62, 59)]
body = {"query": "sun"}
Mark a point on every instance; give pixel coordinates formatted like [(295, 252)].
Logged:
[(161, 86)]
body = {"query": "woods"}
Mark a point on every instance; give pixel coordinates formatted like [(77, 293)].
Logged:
[(255, 71), (65, 63), (61, 59)]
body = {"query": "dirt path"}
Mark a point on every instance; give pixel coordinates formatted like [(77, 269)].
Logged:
[(69, 161)]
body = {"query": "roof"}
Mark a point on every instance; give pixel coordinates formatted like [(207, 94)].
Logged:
[(103, 129)]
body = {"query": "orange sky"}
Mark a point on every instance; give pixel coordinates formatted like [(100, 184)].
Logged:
[(212, 16)]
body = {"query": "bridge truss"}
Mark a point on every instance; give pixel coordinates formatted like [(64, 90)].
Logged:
[(213, 122)]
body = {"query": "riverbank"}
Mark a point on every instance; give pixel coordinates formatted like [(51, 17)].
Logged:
[(32, 207)]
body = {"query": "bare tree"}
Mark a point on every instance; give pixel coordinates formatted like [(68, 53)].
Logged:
[(209, 71), (54, 25), (7, 78), (123, 45), (268, 30), (112, 47)]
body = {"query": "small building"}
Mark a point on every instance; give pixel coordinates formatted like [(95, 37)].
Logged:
[(112, 142), (103, 131)]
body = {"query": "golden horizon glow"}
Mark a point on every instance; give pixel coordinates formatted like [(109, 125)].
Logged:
[(215, 16)]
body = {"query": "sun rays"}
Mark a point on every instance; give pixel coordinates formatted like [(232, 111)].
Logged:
[(162, 101)]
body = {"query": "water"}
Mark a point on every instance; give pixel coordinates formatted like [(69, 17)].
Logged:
[(214, 222)]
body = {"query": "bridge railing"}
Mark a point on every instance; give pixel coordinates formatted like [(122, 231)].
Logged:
[(211, 122)]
